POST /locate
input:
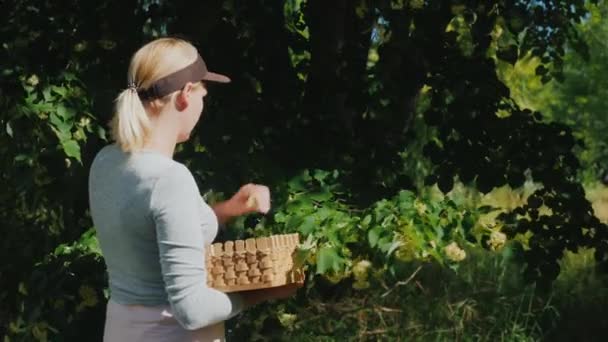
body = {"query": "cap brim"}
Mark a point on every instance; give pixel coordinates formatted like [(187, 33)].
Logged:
[(215, 77)]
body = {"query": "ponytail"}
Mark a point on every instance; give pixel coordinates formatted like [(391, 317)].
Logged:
[(131, 124)]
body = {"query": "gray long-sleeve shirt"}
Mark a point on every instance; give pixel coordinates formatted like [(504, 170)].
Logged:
[(153, 226)]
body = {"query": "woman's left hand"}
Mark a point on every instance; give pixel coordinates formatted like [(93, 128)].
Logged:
[(251, 198)]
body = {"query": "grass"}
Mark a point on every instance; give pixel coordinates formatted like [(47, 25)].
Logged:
[(485, 300)]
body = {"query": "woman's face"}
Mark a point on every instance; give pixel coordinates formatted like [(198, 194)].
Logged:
[(194, 94)]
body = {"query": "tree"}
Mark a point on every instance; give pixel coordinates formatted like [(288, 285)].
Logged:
[(305, 94), (578, 98)]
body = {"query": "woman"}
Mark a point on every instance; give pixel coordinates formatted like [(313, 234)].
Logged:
[(151, 221)]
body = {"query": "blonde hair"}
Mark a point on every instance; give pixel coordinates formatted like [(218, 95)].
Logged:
[(130, 125)]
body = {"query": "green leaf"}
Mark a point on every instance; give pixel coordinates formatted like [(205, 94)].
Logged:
[(280, 217), (366, 221), (374, 235), (328, 260), (304, 252), (308, 225), (21, 157), (385, 243), (71, 148), (47, 94), (294, 222), (406, 196), (296, 185), (9, 129), (393, 246), (320, 175), (31, 98), (63, 248), (101, 133), (59, 90), (90, 242), (468, 222), (324, 213), (62, 134), (55, 120), (332, 235), (320, 196), (66, 114)]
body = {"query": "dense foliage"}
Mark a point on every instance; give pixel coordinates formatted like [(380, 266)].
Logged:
[(354, 112)]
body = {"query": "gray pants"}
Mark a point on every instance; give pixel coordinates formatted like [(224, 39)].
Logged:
[(135, 323)]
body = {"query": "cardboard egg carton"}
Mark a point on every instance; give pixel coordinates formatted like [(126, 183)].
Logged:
[(252, 264)]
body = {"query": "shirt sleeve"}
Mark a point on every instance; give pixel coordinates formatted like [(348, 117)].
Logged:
[(175, 203)]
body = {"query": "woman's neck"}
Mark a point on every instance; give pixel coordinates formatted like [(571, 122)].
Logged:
[(163, 135)]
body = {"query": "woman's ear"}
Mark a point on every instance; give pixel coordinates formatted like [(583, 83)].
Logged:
[(183, 97)]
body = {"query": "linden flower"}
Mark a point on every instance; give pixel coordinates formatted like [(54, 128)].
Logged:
[(497, 240), (360, 269), (85, 121), (420, 207), (454, 253), (33, 80), (287, 320)]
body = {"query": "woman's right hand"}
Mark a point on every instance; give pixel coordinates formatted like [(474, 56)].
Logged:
[(255, 297)]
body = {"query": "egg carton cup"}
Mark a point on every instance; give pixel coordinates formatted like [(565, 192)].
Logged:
[(252, 264)]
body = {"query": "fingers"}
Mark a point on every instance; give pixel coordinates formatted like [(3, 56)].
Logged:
[(258, 198), (252, 202), (263, 198)]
